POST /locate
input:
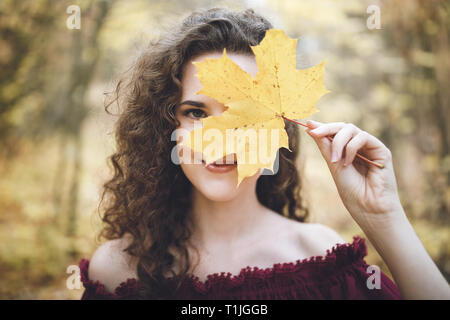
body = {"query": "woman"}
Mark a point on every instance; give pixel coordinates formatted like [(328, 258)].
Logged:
[(186, 232)]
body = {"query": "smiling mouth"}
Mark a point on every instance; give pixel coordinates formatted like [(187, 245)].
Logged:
[(220, 166)]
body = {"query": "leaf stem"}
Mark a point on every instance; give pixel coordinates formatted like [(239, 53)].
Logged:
[(381, 166)]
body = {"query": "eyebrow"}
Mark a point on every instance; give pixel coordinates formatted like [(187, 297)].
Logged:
[(193, 103)]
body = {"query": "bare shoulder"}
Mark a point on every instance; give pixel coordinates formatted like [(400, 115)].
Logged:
[(322, 235), (313, 239), (111, 265)]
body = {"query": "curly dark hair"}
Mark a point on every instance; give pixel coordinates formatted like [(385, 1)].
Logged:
[(148, 197)]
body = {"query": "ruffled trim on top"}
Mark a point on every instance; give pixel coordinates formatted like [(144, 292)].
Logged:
[(96, 290), (313, 270)]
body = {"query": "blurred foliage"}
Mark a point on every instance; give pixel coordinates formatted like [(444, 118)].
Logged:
[(55, 135)]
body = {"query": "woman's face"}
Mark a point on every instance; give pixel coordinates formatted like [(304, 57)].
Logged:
[(217, 183)]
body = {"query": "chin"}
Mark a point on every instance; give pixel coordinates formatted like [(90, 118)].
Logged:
[(218, 192)]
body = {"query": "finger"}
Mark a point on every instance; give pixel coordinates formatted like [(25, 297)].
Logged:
[(313, 124), (353, 146), (327, 129), (374, 149), (341, 139), (324, 146)]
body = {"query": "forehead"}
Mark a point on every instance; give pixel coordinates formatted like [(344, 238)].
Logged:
[(191, 84)]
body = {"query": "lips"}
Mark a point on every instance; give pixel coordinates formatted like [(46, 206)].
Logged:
[(220, 166)]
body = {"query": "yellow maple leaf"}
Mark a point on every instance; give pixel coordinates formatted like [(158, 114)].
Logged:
[(256, 104)]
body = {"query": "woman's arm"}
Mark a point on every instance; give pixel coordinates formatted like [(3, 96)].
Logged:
[(415, 273), (370, 195)]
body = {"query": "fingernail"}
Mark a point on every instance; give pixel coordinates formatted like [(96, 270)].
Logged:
[(310, 123), (334, 157)]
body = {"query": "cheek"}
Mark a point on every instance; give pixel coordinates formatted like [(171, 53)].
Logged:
[(215, 187), (187, 123), (183, 132)]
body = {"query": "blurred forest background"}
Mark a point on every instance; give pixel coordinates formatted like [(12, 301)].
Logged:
[(55, 135)]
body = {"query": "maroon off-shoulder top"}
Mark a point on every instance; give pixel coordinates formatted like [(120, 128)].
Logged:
[(341, 274)]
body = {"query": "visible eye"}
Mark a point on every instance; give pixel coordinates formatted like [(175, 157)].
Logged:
[(195, 113)]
